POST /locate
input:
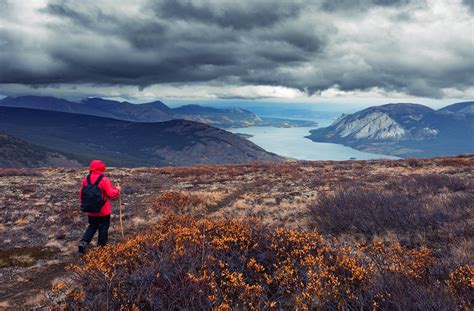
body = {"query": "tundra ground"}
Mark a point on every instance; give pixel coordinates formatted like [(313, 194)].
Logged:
[(418, 203)]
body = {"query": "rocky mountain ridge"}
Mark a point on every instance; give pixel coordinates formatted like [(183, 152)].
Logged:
[(404, 129)]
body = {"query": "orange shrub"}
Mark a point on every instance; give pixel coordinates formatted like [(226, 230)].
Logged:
[(461, 282), (395, 258), (186, 263)]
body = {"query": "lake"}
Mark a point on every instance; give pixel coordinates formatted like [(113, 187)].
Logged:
[(290, 142)]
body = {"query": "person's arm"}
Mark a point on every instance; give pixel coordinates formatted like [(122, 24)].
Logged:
[(110, 191)]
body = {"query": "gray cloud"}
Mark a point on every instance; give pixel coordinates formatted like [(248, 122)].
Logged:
[(393, 45), (469, 3), (349, 5)]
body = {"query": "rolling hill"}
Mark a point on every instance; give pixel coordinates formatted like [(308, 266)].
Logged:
[(175, 142), (464, 107), (404, 130), (18, 153)]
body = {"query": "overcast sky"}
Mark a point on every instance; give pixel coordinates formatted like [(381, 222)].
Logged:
[(290, 50)]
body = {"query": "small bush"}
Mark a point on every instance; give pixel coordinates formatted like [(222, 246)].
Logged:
[(28, 188), (458, 161), (175, 202), (430, 183), (462, 286), (413, 162), (369, 212)]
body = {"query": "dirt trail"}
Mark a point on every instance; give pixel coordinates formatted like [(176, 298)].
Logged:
[(39, 281), (228, 200)]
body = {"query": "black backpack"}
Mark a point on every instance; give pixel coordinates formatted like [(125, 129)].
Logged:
[(91, 196)]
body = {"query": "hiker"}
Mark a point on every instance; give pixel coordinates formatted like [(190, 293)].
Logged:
[(96, 190)]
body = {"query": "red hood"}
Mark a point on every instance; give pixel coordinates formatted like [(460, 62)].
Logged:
[(97, 166)]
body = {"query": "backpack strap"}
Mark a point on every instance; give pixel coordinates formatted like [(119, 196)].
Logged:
[(99, 179), (89, 179)]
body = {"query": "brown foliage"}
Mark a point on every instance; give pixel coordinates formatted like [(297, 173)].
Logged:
[(184, 263), (176, 202), (425, 203), (461, 282)]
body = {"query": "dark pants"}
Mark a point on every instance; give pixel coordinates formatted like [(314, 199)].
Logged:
[(100, 223)]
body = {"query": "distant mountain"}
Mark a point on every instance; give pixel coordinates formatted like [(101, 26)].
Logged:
[(150, 112), (155, 111), (404, 130), (464, 107), (124, 143), (18, 153), (227, 117)]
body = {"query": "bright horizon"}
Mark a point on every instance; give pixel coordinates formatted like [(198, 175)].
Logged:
[(341, 104)]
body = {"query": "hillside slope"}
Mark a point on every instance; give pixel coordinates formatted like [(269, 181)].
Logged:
[(176, 142), (17, 153), (227, 117), (402, 130), (151, 112), (464, 107)]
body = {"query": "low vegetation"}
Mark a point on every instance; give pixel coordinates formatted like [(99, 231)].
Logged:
[(184, 263), (421, 204), (316, 235)]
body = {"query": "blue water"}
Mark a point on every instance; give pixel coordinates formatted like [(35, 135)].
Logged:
[(290, 142)]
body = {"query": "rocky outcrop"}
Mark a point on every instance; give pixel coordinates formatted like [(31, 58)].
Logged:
[(376, 125), (404, 130)]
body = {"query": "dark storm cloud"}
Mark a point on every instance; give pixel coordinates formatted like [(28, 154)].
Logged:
[(235, 14), (344, 5), (469, 4), (308, 45)]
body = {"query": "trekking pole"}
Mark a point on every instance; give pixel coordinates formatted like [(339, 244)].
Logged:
[(120, 209)]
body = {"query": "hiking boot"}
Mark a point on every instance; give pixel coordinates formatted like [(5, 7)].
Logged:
[(82, 246)]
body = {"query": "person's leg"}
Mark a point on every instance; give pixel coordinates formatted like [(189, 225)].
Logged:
[(89, 234), (104, 230), (91, 229)]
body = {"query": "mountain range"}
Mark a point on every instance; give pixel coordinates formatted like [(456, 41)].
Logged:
[(404, 130), (125, 143), (155, 111)]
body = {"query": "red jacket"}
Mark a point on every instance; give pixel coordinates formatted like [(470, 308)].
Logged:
[(96, 169)]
